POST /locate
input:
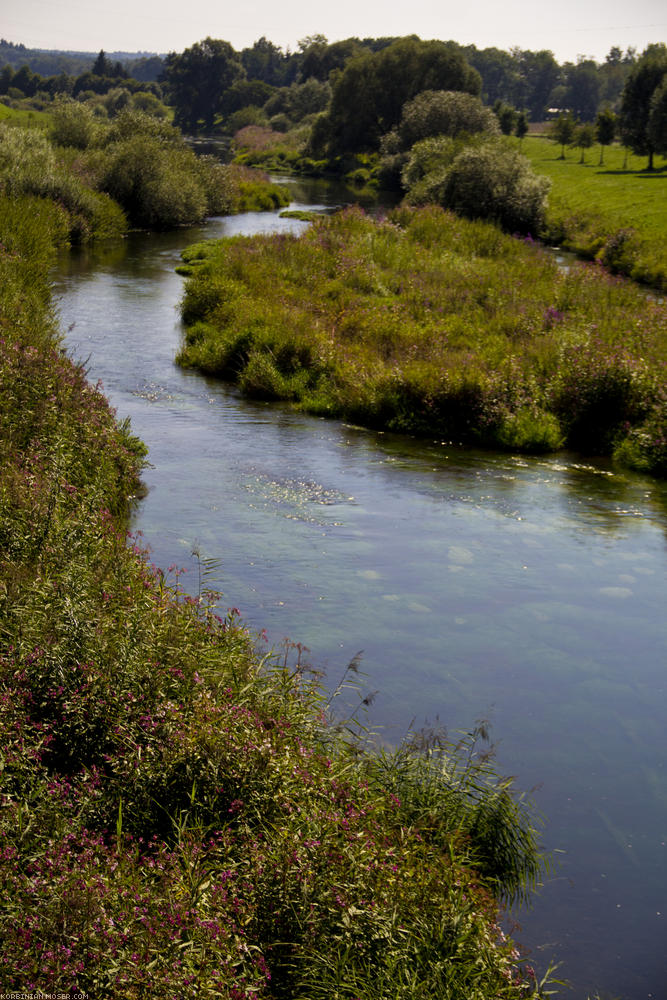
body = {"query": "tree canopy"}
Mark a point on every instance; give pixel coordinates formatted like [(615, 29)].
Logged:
[(643, 81), (369, 94), (444, 112), (198, 79)]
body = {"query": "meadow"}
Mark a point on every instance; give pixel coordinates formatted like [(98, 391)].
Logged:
[(614, 211), (427, 324)]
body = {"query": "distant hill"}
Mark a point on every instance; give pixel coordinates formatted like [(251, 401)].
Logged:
[(51, 62)]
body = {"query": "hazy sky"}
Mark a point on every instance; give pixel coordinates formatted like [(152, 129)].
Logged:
[(568, 27)]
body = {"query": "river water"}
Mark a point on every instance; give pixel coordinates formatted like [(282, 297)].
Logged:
[(527, 591)]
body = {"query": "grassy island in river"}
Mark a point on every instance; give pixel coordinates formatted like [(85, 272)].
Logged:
[(426, 323)]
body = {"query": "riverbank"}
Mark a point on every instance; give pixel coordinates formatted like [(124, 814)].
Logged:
[(427, 324), (177, 813)]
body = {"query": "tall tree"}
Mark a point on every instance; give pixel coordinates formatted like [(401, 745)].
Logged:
[(584, 137), (369, 94), (643, 81), (657, 119), (539, 73), (198, 79), (102, 66), (266, 61), (582, 89), (521, 127)]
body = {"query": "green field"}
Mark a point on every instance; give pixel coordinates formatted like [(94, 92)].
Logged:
[(27, 118), (590, 204)]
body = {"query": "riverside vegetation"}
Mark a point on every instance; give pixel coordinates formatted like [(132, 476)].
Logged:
[(426, 323), (180, 816), (137, 171)]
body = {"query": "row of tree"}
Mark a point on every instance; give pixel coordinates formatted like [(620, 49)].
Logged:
[(100, 78), (641, 122), (530, 81)]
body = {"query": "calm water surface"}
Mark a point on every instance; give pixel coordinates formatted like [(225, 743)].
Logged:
[(527, 591)]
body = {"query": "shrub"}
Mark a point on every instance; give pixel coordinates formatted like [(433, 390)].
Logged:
[(73, 123), (597, 393), (444, 112), (495, 182)]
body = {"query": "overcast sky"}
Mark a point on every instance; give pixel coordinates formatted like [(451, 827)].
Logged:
[(568, 27)]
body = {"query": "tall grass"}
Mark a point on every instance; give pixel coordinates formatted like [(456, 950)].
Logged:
[(181, 817), (428, 324)]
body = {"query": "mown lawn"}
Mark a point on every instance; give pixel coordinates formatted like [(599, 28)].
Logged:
[(590, 204)]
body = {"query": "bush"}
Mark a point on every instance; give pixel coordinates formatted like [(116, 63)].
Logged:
[(28, 166), (495, 182), (73, 124), (444, 112)]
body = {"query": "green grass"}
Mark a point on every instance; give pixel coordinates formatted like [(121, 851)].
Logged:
[(24, 117), (428, 324), (591, 204)]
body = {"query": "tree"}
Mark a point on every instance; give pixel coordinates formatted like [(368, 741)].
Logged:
[(102, 66), (521, 126), (584, 137), (501, 80), (539, 73), (506, 115), (26, 81), (495, 182), (245, 93), (605, 130), (369, 94), (562, 132), (643, 81), (266, 61), (320, 59), (73, 123), (582, 89), (444, 112), (198, 79), (657, 119), (6, 78)]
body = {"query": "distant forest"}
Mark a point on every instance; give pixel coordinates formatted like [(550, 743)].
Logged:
[(144, 66), (532, 81)]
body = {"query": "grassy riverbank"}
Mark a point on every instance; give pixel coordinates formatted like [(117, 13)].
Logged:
[(615, 211), (429, 324), (136, 173), (179, 817)]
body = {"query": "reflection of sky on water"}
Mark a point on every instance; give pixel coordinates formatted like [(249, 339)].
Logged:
[(527, 590)]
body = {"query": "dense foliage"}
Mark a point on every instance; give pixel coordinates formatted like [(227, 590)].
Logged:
[(642, 120), (429, 324), (179, 817), (369, 95), (134, 171)]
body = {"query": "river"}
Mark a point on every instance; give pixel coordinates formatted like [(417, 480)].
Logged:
[(527, 591)]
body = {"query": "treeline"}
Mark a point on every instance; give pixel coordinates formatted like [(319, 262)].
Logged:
[(99, 78), (144, 66), (533, 82)]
